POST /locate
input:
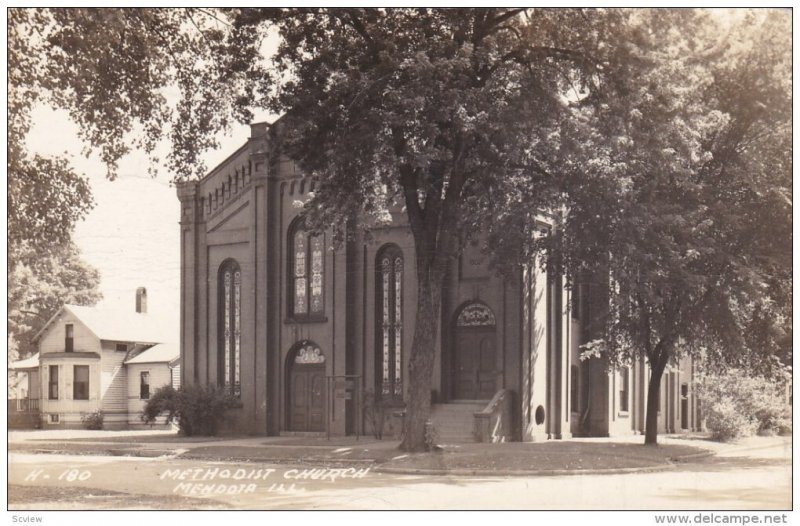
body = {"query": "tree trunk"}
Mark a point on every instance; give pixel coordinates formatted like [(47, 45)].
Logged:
[(653, 393), (420, 371)]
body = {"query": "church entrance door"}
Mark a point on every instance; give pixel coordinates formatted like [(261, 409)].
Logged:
[(307, 390), (475, 364), (474, 353)]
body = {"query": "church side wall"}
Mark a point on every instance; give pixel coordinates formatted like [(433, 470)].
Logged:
[(535, 372)]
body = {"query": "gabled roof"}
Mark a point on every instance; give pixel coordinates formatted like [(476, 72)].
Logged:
[(115, 325), (160, 353)]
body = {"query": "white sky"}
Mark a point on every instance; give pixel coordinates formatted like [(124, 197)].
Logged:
[(132, 234)]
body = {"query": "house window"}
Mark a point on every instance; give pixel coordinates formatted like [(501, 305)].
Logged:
[(80, 383), (54, 418), (144, 385), (306, 272), (122, 347), (574, 375), (52, 383), (389, 287), (230, 301), (624, 390), (69, 340), (575, 301)]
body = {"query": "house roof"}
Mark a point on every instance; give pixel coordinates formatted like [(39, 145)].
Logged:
[(69, 356), (164, 352), (31, 362), (115, 325), (158, 353)]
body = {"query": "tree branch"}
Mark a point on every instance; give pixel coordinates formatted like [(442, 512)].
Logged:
[(499, 19), (354, 21), (408, 182), (191, 19), (212, 15)]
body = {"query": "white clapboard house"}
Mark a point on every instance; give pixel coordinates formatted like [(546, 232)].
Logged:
[(94, 359)]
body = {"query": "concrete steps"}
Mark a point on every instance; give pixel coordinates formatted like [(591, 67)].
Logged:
[(454, 420)]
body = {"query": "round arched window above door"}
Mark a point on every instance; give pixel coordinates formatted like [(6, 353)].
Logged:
[(476, 315), (309, 354)]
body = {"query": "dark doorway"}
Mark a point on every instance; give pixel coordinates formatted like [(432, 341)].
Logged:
[(474, 353), (684, 406), (307, 389)]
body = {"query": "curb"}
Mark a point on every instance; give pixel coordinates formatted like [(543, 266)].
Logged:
[(695, 456), (521, 473), (144, 453), (298, 461)]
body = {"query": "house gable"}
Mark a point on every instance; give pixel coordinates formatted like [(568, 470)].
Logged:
[(53, 337)]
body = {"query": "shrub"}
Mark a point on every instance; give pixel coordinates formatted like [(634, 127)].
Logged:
[(726, 421), (93, 420), (198, 409), (163, 400), (737, 405)]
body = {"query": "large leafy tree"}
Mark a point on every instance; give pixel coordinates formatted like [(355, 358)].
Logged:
[(46, 197), (448, 110), (681, 216), (113, 71)]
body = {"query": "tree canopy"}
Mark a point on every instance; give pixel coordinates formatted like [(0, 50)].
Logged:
[(39, 283), (682, 208)]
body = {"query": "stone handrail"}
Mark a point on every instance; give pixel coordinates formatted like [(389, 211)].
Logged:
[(493, 423)]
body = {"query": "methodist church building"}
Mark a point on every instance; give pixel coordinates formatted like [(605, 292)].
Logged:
[(308, 334)]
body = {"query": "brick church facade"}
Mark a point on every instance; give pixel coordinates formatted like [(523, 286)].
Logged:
[(305, 332)]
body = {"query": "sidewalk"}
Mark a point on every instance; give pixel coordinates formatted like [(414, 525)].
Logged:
[(553, 457)]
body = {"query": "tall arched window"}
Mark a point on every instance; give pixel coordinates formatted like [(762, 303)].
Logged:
[(389, 287), (306, 273), (230, 323)]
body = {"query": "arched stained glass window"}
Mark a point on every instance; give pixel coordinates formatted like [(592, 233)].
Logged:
[(230, 296), (306, 272), (389, 287)]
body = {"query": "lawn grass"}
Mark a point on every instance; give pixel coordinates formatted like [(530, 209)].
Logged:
[(545, 456), (288, 455), (513, 456), (553, 455)]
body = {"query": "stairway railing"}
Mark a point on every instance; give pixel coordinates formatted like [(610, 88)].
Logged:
[(493, 423)]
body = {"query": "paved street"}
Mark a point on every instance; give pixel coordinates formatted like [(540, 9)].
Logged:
[(754, 478)]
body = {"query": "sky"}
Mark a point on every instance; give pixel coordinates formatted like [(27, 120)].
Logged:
[(132, 234)]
